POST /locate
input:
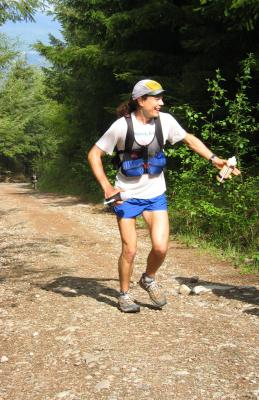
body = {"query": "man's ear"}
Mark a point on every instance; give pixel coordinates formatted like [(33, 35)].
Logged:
[(140, 101)]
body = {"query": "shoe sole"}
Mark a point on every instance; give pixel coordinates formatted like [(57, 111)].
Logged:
[(129, 311)]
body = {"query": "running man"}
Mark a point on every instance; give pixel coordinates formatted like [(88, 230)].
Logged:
[(138, 137)]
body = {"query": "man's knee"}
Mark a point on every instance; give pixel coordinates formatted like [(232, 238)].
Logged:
[(129, 253), (160, 249)]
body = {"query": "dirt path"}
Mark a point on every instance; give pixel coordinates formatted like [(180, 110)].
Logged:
[(62, 336)]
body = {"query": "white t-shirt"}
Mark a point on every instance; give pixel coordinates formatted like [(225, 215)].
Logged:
[(145, 186)]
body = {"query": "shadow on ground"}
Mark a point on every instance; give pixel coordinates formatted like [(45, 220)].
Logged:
[(10, 210), (246, 294), (252, 311), (65, 200), (71, 286), (14, 267)]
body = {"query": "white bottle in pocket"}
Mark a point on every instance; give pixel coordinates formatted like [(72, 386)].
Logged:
[(121, 196)]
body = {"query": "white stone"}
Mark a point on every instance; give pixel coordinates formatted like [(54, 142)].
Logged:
[(104, 384), (62, 395), (201, 289), (90, 358), (184, 289), (4, 359), (165, 357), (181, 373)]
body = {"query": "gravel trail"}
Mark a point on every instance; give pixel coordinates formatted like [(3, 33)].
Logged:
[(63, 337)]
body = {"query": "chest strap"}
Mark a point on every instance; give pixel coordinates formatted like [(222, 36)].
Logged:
[(130, 137)]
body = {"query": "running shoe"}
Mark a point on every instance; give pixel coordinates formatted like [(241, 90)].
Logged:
[(126, 304), (155, 291)]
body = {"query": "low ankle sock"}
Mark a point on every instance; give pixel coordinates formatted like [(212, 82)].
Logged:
[(123, 293), (147, 278)]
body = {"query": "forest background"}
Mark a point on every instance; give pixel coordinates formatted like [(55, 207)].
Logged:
[(205, 53)]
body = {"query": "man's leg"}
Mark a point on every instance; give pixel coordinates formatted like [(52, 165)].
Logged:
[(127, 227), (158, 224)]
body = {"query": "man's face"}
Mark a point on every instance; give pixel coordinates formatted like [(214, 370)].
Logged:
[(151, 105)]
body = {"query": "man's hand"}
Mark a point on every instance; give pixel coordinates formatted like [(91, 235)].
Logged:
[(220, 162), (111, 192), (199, 147), (95, 160)]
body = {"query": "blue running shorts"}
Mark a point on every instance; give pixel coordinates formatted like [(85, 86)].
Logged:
[(131, 208)]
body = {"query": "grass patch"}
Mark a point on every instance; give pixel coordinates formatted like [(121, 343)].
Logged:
[(246, 263)]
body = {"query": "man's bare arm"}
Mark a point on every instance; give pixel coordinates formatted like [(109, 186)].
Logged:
[(199, 147), (95, 160)]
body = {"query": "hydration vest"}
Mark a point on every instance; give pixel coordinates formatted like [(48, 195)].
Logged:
[(142, 159)]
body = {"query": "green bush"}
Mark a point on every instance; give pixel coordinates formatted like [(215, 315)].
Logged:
[(223, 214), (226, 215)]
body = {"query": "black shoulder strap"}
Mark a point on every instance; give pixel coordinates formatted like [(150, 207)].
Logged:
[(129, 135), (159, 133)]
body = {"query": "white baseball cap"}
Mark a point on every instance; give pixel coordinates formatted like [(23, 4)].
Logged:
[(146, 87)]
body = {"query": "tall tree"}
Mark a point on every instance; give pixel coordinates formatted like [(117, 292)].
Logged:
[(238, 14), (110, 44), (7, 53), (27, 129), (17, 10)]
